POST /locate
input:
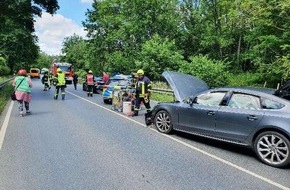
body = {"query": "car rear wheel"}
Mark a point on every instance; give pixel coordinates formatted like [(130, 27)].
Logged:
[(163, 122), (273, 148)]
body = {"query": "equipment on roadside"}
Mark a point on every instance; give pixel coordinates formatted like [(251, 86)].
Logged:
[(120, 96)]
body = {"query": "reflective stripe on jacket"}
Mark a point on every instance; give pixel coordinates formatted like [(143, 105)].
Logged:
[(143, 86), (60, 79)]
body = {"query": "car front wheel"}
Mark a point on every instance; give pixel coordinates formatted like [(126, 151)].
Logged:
[(163, 122), (273, 148), (107, 101)]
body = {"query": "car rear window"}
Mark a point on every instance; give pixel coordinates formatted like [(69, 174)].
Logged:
[(270, 104), (244, 101), (34, 71)]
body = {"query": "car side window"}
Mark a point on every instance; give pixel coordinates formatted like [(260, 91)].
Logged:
[(210, 98), (270, 104), (244, 101)]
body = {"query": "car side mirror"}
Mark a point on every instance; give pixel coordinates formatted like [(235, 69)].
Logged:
[(191, 100)]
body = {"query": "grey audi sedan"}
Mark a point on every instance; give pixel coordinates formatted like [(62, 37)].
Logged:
[(245, 116)]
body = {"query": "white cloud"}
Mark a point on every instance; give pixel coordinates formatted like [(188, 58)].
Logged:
[(87, 1), (51, 31)]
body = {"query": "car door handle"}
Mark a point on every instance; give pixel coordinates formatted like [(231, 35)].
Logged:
[(211, 113), (252, 117)]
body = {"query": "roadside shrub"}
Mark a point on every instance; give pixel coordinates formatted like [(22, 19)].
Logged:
[(244, 79), (214, 73), (5, 96), (275, 73), (4, 69), (157, 55)]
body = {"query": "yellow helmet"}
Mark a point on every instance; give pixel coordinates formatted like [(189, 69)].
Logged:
[(90, 71), (59, 70), (140, 72)]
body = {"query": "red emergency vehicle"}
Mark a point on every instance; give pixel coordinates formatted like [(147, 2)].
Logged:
[(65, 67)]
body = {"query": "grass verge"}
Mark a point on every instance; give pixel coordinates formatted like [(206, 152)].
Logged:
[(5, 96), (162, 97)]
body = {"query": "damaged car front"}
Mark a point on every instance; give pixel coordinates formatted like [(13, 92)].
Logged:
[(184, 88)]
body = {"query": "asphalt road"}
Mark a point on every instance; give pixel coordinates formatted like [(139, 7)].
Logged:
[(80, 143)]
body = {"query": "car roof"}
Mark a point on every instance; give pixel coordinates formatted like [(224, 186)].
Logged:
[(184, 86), (263, 92)]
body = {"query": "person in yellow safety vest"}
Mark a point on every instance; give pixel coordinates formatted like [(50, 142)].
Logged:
[(143, 85), (90, 79), (59, 81)]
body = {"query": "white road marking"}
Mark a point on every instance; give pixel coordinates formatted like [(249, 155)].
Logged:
[(194, 148), (112, 111), (5, 124)]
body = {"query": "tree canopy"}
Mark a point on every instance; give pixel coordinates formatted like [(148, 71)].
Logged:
[(18, 43), (244, 35)]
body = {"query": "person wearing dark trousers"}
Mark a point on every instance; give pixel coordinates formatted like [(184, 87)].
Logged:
[(143, 85), (60, 84), (45, 81), (75, 80), (90, 79)]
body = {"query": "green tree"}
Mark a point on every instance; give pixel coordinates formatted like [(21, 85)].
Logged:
[(214, 73), (43, 61), (75, 51), (249, 36), (18, 44), (120, 28), (157, 55)]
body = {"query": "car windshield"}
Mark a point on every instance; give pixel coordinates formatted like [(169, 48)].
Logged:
[(64, 68)]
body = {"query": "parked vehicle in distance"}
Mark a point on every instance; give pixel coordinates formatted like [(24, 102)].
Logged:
[(242, 116), (118, 81), (34, 73)]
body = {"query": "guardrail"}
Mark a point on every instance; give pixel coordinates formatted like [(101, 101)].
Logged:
[(5, 83), (162, 91)]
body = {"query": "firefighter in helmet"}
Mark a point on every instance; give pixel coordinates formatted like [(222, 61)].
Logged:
[(143, 86), (45, 80), (90, 79), (60, 83)]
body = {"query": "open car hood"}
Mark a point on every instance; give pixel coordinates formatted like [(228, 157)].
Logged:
[(184, 85)]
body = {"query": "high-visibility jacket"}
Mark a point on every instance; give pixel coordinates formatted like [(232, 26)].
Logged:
[(60, 79), (142, 86), (45, 79), (90, 79)]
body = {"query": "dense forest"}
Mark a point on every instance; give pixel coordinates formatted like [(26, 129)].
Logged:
[(238, 42)]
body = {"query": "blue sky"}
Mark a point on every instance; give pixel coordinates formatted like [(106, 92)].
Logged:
[(74, 9), (51, 30)]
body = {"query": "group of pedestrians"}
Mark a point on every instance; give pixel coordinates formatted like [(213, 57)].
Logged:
[(22, 87), (23, 84)]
